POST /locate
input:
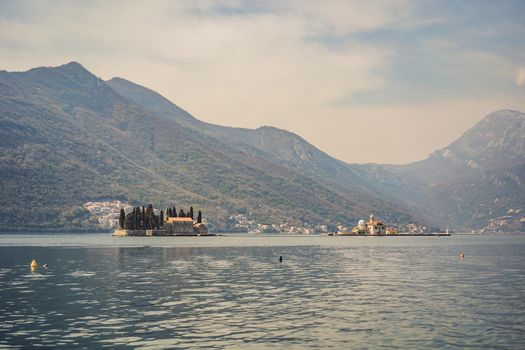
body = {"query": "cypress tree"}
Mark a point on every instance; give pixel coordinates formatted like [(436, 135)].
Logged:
[(128, 225), (199, 217), (181, 213), (174, 211), (143, 219), (150, 216), (135, 218), (161, 219), (191, 213), (122, 218)]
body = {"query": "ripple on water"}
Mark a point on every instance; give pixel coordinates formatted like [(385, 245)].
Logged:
[(37, 276), (319, 297), (81, 273)]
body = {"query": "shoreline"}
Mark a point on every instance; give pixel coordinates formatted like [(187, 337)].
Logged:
[(397, 235)]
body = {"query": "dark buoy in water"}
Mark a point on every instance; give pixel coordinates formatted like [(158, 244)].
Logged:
[(281, 258)]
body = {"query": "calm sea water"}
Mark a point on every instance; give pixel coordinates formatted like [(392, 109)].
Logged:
[(232, 292)]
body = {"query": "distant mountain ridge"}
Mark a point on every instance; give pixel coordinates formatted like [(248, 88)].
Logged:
[(268, 142), (67, 137), (479, 176), (467, 185), (437, 189), (495, 142)]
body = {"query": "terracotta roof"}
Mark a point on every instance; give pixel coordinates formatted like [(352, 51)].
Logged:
[(375, 223), (179, 219)]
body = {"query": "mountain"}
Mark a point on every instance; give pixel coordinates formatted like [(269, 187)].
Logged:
[(68, 137), (438, 190), (496, 142), (273, 144), (276, 144), (475, 180), (480, 175)]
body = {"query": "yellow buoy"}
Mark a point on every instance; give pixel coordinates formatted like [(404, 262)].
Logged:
[(34, 264)]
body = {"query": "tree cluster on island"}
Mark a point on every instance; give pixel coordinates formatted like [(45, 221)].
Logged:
[(142, 218)]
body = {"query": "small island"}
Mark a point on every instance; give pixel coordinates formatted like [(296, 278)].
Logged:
[(147, 221), (375, 227)]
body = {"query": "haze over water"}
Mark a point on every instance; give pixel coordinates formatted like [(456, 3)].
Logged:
[(217, 292)]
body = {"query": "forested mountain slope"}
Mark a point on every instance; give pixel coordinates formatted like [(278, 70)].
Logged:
[(67, 137)]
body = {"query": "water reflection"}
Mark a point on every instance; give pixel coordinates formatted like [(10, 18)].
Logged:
[(242, 297)]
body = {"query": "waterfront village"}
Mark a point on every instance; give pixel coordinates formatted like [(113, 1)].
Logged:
[(512, 221), (108, 214)]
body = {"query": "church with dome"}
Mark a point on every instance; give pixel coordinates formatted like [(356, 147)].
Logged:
[(373, 227)]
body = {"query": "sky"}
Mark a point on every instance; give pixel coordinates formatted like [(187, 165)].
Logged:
[(364, 81)]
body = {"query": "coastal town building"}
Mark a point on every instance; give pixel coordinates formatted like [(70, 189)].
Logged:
[(244, 223), (375, 227), (107, 212), (392, 231), (200, 228), (178, 226), (360, 229), (512, 221)]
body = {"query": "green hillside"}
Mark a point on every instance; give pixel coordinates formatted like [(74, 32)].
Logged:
[(67, 137)]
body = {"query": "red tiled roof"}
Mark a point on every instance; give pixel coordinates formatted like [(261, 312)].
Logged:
[(375, 223), (179, 219)]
